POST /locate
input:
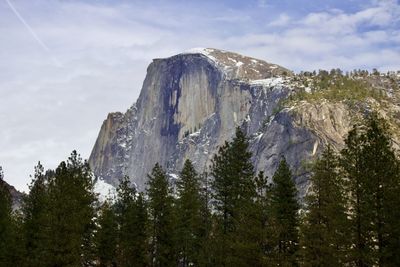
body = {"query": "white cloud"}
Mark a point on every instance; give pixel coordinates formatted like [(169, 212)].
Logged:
[(282, 20), (48, 110)]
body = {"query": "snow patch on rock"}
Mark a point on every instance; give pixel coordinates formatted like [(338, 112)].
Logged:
[(104, 190)]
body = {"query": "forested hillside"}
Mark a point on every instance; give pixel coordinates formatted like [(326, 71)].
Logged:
[(228, 216)]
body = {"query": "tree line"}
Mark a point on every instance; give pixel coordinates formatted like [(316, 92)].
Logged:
[(231, 216)]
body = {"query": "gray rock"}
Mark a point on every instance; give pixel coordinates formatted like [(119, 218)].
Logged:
[(191, 103)]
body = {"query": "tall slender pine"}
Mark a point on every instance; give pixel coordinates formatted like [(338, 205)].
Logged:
[(162, 219), (284, 213), (189, 220), (325, 226), (106, 236), (5, 223), (234, 194), (36, 226), (71, 213)]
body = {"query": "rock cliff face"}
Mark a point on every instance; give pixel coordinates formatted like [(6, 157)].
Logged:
[(16, 196), (191, 103)]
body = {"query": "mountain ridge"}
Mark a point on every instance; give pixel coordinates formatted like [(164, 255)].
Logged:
[(191, 103)]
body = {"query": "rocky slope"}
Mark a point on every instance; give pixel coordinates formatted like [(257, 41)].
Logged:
[(191, 103), (16, 196)]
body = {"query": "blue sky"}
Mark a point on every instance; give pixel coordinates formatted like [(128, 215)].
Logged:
[(65, 64)]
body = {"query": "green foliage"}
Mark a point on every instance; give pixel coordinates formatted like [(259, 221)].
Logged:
[(36, 228), (5, 223), (189, 217), (133, 220), (162, 219), (351, 215), (335, 86), (106, 236), (284, 213), (263, 217), (70, 212), (234, 193), (372, 170), (325, 227)]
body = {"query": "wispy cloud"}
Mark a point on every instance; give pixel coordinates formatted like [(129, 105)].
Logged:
[(282, 20), (30, 30)]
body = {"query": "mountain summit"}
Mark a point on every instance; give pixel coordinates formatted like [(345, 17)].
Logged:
[(192, 102)]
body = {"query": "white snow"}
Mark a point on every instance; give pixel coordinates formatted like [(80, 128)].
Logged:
[(104, 190), (315, 148), (195, 134), (258, 136), (173, 176), (268, 82), (239, 63), (200, 50)]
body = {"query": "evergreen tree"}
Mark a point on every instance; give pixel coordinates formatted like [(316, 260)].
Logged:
[(372, 168), (263, 210), (359, 210), (126, 194), (5, 223), (71, 213), (383, 188), (324, 230), (133, 237), (106, 236), (125, 197), (16, 244), (284, 217), (11, 241), (205, 257), (234, 193), (138, 224), (35, 209), (189, 220), (162, 219)]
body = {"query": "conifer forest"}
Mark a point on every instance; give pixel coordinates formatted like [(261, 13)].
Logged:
[(227, 216)]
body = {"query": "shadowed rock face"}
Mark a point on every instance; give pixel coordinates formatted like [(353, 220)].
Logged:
[(191, 103), (16, 196)]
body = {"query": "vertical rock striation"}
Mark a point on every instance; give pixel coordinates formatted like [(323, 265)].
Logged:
[(191, 103)]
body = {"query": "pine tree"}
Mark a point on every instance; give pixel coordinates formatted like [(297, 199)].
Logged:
[(205, 254), (11, 239), (325, 227), (16, 244), (189, 220), (234, 196), (355, 173), (71, 213), (383, 187), (36, 225), (5, 223), (284, 217), (263, 216), (106, 236), (139, 234), (126, 194), (133, 220), (162, 219), (379, 183)]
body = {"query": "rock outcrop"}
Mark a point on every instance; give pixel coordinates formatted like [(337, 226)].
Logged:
[(16, 196), (191, 103)]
